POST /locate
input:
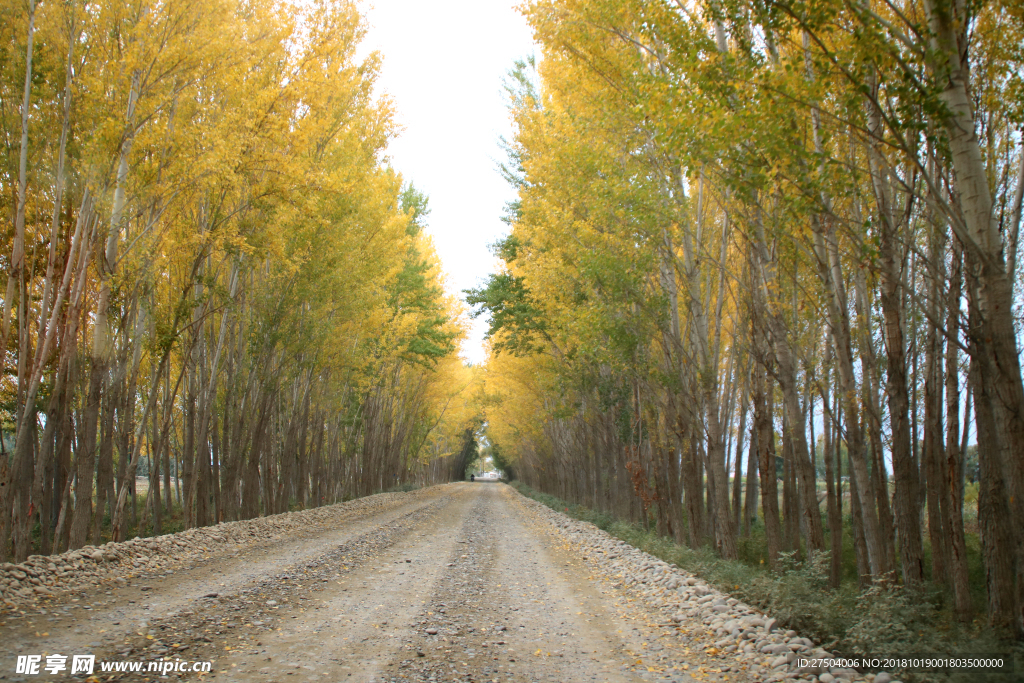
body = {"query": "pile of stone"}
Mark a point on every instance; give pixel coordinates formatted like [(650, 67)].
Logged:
[(46, 575), (727, 628)]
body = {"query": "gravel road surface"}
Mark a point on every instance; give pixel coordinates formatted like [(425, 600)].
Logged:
[(460, 582)]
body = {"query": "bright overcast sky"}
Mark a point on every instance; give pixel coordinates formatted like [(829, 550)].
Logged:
[(444, 61)]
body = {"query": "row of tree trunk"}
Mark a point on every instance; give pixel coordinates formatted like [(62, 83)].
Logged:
[(818, 273), (208, 274)]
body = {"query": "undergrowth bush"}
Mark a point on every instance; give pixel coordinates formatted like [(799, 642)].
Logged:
[(879, 621)]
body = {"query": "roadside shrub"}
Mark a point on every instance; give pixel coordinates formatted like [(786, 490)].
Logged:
[(886, 621)]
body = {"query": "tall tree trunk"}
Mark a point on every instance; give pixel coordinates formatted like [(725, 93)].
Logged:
[(763, 411), (993, 507), (693, 491), (102, 342), (934, 457), (154, 472), (17, 483), (962, 604), (860, 544), (707, 377), (790, 521), (890, 260), (997, 537), (105, 464), (737, 482), (981, 238), (830, 425), (16, 274), (118, 523), (827, 254)]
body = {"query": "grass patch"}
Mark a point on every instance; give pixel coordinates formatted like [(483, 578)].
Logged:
[(877, 622)]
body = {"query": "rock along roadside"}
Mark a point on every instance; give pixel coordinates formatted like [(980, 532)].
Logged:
[(739, 636)]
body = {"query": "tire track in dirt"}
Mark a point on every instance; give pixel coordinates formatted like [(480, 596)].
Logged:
[(98, 618), (316, 617), (468, 582), (511, 607)]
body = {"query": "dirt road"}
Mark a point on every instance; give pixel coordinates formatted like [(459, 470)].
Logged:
[(462, 582)]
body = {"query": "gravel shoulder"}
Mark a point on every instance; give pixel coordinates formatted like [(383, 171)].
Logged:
[(460, 582)]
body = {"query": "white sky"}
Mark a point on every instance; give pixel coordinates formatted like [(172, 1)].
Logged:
[(444, 61)]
